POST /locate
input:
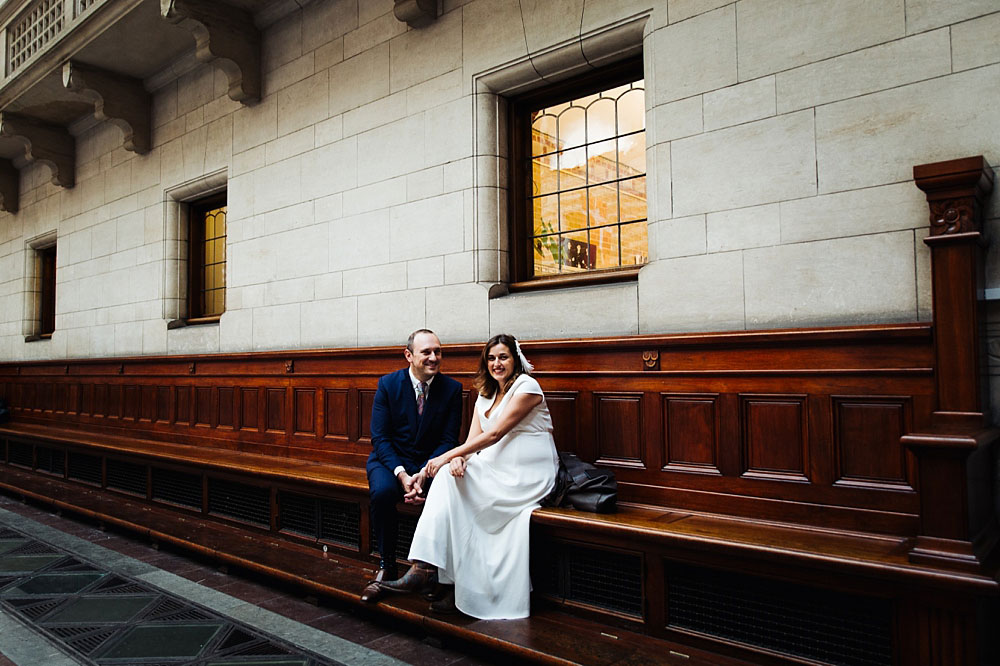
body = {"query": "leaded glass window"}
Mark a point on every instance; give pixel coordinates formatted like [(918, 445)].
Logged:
[(208, 258)]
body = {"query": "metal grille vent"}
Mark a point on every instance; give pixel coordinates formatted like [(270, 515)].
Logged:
[(249, 504), (127, 477), (83, 467), (19, 453), (599, 578), (89, 643), (299, 514), (178, 488), (341, 522), (828, 626), (49, 460)]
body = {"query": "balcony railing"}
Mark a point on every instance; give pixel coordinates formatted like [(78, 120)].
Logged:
[(37, 26)]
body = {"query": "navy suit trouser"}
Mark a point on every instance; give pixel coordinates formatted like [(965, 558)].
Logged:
[(385, 492)]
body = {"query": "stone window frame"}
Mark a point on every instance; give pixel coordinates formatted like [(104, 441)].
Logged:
[(493, 91), (177, 201), (590, 82), (35, 310)]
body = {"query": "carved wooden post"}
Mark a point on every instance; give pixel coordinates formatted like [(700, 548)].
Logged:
[(956, 529)]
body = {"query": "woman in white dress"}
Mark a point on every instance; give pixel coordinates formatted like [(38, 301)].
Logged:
[(473, 531)]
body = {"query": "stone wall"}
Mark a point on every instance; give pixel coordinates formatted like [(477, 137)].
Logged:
[(366, 189)]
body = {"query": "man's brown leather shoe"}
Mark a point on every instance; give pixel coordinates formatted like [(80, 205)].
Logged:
[(373, 589)]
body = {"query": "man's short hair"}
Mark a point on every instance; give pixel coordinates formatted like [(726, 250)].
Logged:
[(409, 340)]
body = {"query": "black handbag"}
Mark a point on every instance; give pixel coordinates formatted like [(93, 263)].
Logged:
[(583, 486)]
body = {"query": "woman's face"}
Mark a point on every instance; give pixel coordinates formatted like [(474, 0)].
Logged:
[(500, 362)]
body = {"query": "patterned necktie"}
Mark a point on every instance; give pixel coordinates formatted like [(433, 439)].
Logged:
[(421, 397)]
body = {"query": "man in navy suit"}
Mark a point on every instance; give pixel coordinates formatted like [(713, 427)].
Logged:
[(416, 416)]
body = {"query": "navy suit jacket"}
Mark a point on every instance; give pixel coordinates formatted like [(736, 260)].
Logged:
[(399, 436)]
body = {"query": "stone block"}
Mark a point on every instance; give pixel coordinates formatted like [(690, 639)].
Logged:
[(328, 285), (425, 272), (330, 323), (329, 54), (195, 89), (550, 22), (254, 125), (448, 132), (925, 291), (154, 337), (236, 331), (360, 240), (434, 92), (304, 103), (420, 55), (924, 15), (291, 73), (383, 194), (761, 162), (776, 35), (701, 54), (380, 112), (492, 32), (741, 103), (878, 138), (359, 80), (459, 267), (289, 145), (853, 213), (426, 183), (328, 208), (679, 10), (330, 130), (880, 67), (676, 120), (375, 279), (278, 185), (372, 33), (130, 231), (391, 150), (301, 252), (705, 294), (757, 226), (128, 339), (459, 313), (78, 343), (864, 279), (599, 14), (323, 22), (330, 169), (427, 228), (283, 292), (200, 339), (975, 43), (387, 319), (567, 313), (373, 9), (282, 42), (277, 327), (679, 237)]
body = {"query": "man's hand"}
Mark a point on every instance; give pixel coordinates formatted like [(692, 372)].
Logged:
[(415, 495)]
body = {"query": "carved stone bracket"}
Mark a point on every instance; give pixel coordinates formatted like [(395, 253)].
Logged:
[(10, 187), (118, 99), (49, 144), (416, 13), (224, 36)]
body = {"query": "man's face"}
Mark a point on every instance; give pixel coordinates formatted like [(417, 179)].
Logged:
[(425, 359)]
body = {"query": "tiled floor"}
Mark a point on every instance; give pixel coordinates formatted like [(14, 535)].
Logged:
[(369, 632)]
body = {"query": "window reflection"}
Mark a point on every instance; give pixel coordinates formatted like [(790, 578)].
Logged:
[(588, 184)]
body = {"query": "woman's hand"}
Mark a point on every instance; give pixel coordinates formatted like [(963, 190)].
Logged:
[(435, 464), (457, 466)]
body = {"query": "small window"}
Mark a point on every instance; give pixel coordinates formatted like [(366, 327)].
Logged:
[(579, 179), (207, 260), (40, 294), (47, 289)]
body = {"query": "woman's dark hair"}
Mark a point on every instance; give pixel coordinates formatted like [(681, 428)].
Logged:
[(484, 381)]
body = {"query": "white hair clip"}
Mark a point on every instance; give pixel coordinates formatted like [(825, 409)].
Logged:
[(525, 363)]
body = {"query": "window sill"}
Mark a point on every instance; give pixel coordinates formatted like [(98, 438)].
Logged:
[(38, 336), (566, 281), (194, 321)]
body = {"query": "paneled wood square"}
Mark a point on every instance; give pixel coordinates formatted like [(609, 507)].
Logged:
[(562, 407), (130, 402), (114, 401), (87, 399), (184, 404), (305, 411), (100, 400), (335, 412), (249, 419), (147, 403), (690, 432), (75, 399), (45, 397), (163, 404), (61, 398), (775, 437), (366, 399), (618, 425), (227, 395), (867, 432), (203, 405), (276, 409)]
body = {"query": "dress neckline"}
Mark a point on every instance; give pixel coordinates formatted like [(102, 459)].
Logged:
[(491, 411)]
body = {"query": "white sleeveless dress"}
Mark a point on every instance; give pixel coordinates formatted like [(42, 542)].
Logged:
[(475, 528)]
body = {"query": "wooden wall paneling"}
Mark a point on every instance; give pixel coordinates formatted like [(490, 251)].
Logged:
[(227, 407), (563, 407), (867, 441), (114, 401), (184, 404), (690, 427), (101, 400), (249, 408), (819, 415), (203, 406), (336, 413), (73, 406), (275, 416), (87, 398), (164, 407), (730, 456), (130, 402), (61, 398), (147, 403), (305, 411), (619, 429), (45, 397), (366, 399), (775, 437)]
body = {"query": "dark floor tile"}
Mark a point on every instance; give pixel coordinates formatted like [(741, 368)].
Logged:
[(295, 609), (248, 591), (4, 661), (413, 650), (350, 628)]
